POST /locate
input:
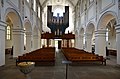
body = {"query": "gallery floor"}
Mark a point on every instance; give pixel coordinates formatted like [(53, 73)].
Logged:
[(110, 71)]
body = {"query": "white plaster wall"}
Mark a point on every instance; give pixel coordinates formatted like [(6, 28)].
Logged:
[(8, 44), (106, 3), (27, 11), (91, 13), (82, 19), (15, 2)]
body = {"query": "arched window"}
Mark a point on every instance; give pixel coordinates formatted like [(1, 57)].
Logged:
[(8, 36), (91, 1), (39, 11), (34, 5), (28, 1)]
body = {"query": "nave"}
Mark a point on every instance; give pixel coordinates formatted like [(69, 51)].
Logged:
[(110, 71)]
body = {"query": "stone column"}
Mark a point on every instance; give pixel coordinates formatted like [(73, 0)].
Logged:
[(88, 42), (76, 42), (28, 41), (70, 43), (35, 43), (63, 43), (2, 43), (67, 42), (100, 42), (47, 42), (53, 43), (18, 42), (118, 43), (39, 41), (81, 41)]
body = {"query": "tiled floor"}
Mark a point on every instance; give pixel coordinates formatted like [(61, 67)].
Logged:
[(111, 71)]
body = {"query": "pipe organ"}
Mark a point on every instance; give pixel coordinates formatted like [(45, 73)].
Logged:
[(58, 24)]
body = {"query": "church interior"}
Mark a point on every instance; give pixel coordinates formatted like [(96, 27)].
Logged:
[(59, 39)]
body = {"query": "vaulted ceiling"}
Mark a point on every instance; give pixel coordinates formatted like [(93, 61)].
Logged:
[(72, 2)]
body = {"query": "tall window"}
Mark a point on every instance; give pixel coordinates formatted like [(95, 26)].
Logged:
[(107, 34), (34, 5), (28, 1), (8, 32), (39, 11), (91, 1)]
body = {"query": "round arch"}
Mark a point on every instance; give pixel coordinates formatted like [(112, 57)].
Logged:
[(81, 32), (90, 37), (101, 33), (105, 18), (27, 25), (90, 28), (17, 32), (14, 15), (27, 36)]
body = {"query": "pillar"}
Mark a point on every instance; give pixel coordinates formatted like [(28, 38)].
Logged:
[(100, 42), (2, 43), (28, 41), (39, 41), (53, 43), (35, 43), (76, 42), (18, 42), (63, 43), (67, 42), (118, 43), (81, 41), (88, 42), (47, 42)]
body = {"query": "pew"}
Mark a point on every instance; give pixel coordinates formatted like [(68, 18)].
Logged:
[(112, 52), (43, 56), (80, 56)]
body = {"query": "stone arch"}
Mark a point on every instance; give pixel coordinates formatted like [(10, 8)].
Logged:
[(81, 38), (35, 38), (28, 35), (27, 25), (17, 31), (105, 18), (81, 32), (90, 28), (76, 38), (100, 33), (90, 37), (14, 15)]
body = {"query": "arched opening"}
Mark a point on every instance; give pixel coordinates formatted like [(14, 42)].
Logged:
[(81, 39), (14, 43), (35, 38), (111, 50), (27, 36), (76, 39), (90, 38), (107, 35)]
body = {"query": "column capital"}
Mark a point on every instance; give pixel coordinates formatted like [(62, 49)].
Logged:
[(18, 31), (101, 32), (2, 25), (28, 33), (87, 35), (81, 35), (117, 28)]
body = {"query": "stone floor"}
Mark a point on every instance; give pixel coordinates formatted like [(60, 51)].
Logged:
[(111, 71)]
